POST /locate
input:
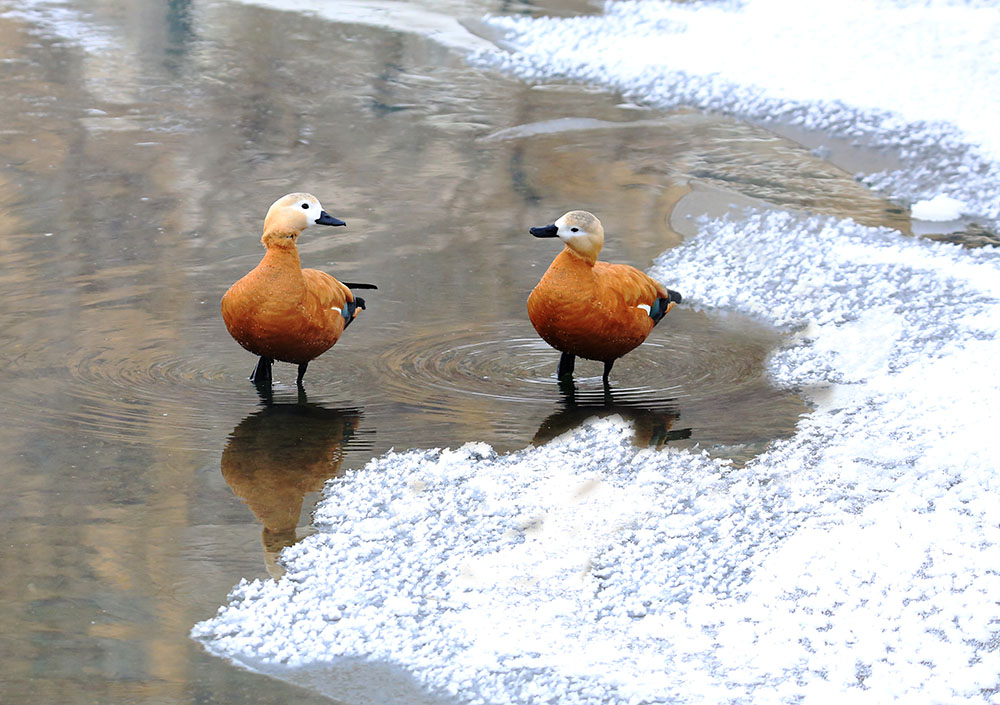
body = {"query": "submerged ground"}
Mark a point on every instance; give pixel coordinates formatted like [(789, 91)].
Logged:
[(788, 497)]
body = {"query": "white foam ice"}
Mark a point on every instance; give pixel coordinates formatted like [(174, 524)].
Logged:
[(939, 208), (921, 76), (856, 560)]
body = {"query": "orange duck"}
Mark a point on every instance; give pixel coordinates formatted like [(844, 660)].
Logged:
[(280, 311), (593, 309)]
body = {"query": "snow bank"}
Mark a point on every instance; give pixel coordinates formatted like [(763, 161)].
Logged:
[(919, 77), (939, 208), (858, 559)]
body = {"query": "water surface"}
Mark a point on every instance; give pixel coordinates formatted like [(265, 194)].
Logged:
[(141, 147)]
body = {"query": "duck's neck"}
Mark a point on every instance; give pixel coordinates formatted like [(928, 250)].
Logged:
[(281, 250), (282, 257), (570, 257)]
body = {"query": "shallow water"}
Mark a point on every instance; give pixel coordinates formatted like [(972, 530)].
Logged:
[(141, 146)]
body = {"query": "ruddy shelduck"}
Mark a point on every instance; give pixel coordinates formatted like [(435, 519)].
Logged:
[(591, 309), (280, 311)]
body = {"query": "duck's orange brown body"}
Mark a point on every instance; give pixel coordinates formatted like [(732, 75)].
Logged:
[(280, 311), (591, 309), (284, 312)]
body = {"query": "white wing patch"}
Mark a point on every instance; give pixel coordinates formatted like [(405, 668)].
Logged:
[(644, 307)]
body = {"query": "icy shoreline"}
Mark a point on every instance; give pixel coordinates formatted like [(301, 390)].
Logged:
[(847, 560), (919, 78), (850, 561)]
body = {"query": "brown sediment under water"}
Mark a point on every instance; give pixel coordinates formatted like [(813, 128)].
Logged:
[(142, 143)]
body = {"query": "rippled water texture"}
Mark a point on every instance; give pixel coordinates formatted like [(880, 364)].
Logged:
[(142, 144)]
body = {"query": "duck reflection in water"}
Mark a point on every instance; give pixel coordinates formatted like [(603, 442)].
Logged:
[(652, 420), (280, 453)]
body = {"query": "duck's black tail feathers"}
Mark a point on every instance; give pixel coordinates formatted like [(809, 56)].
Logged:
[(349, 308), (659, 309), (355, 285)]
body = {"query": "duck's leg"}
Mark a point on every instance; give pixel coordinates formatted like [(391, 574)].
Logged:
[(566, 364), (608, 364), (302, 373), (262, 372)]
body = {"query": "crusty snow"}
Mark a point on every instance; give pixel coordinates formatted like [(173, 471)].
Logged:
[(921, 77), (858, 561), (939, 208)]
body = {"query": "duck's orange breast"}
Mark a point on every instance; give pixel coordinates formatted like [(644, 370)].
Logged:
[(284, 312), (593, 310)]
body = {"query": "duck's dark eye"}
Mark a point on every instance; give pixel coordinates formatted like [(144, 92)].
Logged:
[(574, 230), (305, 206)]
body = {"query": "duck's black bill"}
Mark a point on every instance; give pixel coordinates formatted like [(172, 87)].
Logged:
[(327, 219), (547, 231)]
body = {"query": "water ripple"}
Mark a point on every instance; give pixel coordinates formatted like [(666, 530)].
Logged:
[(499, 361)]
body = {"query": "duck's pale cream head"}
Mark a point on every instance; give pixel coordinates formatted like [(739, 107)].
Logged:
[(290, 215), (581, 231)]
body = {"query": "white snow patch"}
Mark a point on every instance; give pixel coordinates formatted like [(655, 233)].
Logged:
[(856, 560), (920, 76), (939, 208)]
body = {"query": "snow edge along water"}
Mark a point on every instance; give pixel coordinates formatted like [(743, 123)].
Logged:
[(851, 559), (847, 559), (919, 79)]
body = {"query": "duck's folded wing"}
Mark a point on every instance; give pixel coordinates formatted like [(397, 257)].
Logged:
[(328, 294), (326, 290), (637, 290)]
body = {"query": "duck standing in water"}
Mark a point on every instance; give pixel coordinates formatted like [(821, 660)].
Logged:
[(596, 310), (280, 311)]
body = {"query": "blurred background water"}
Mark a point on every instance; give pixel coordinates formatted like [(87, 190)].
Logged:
[(141, 146)]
